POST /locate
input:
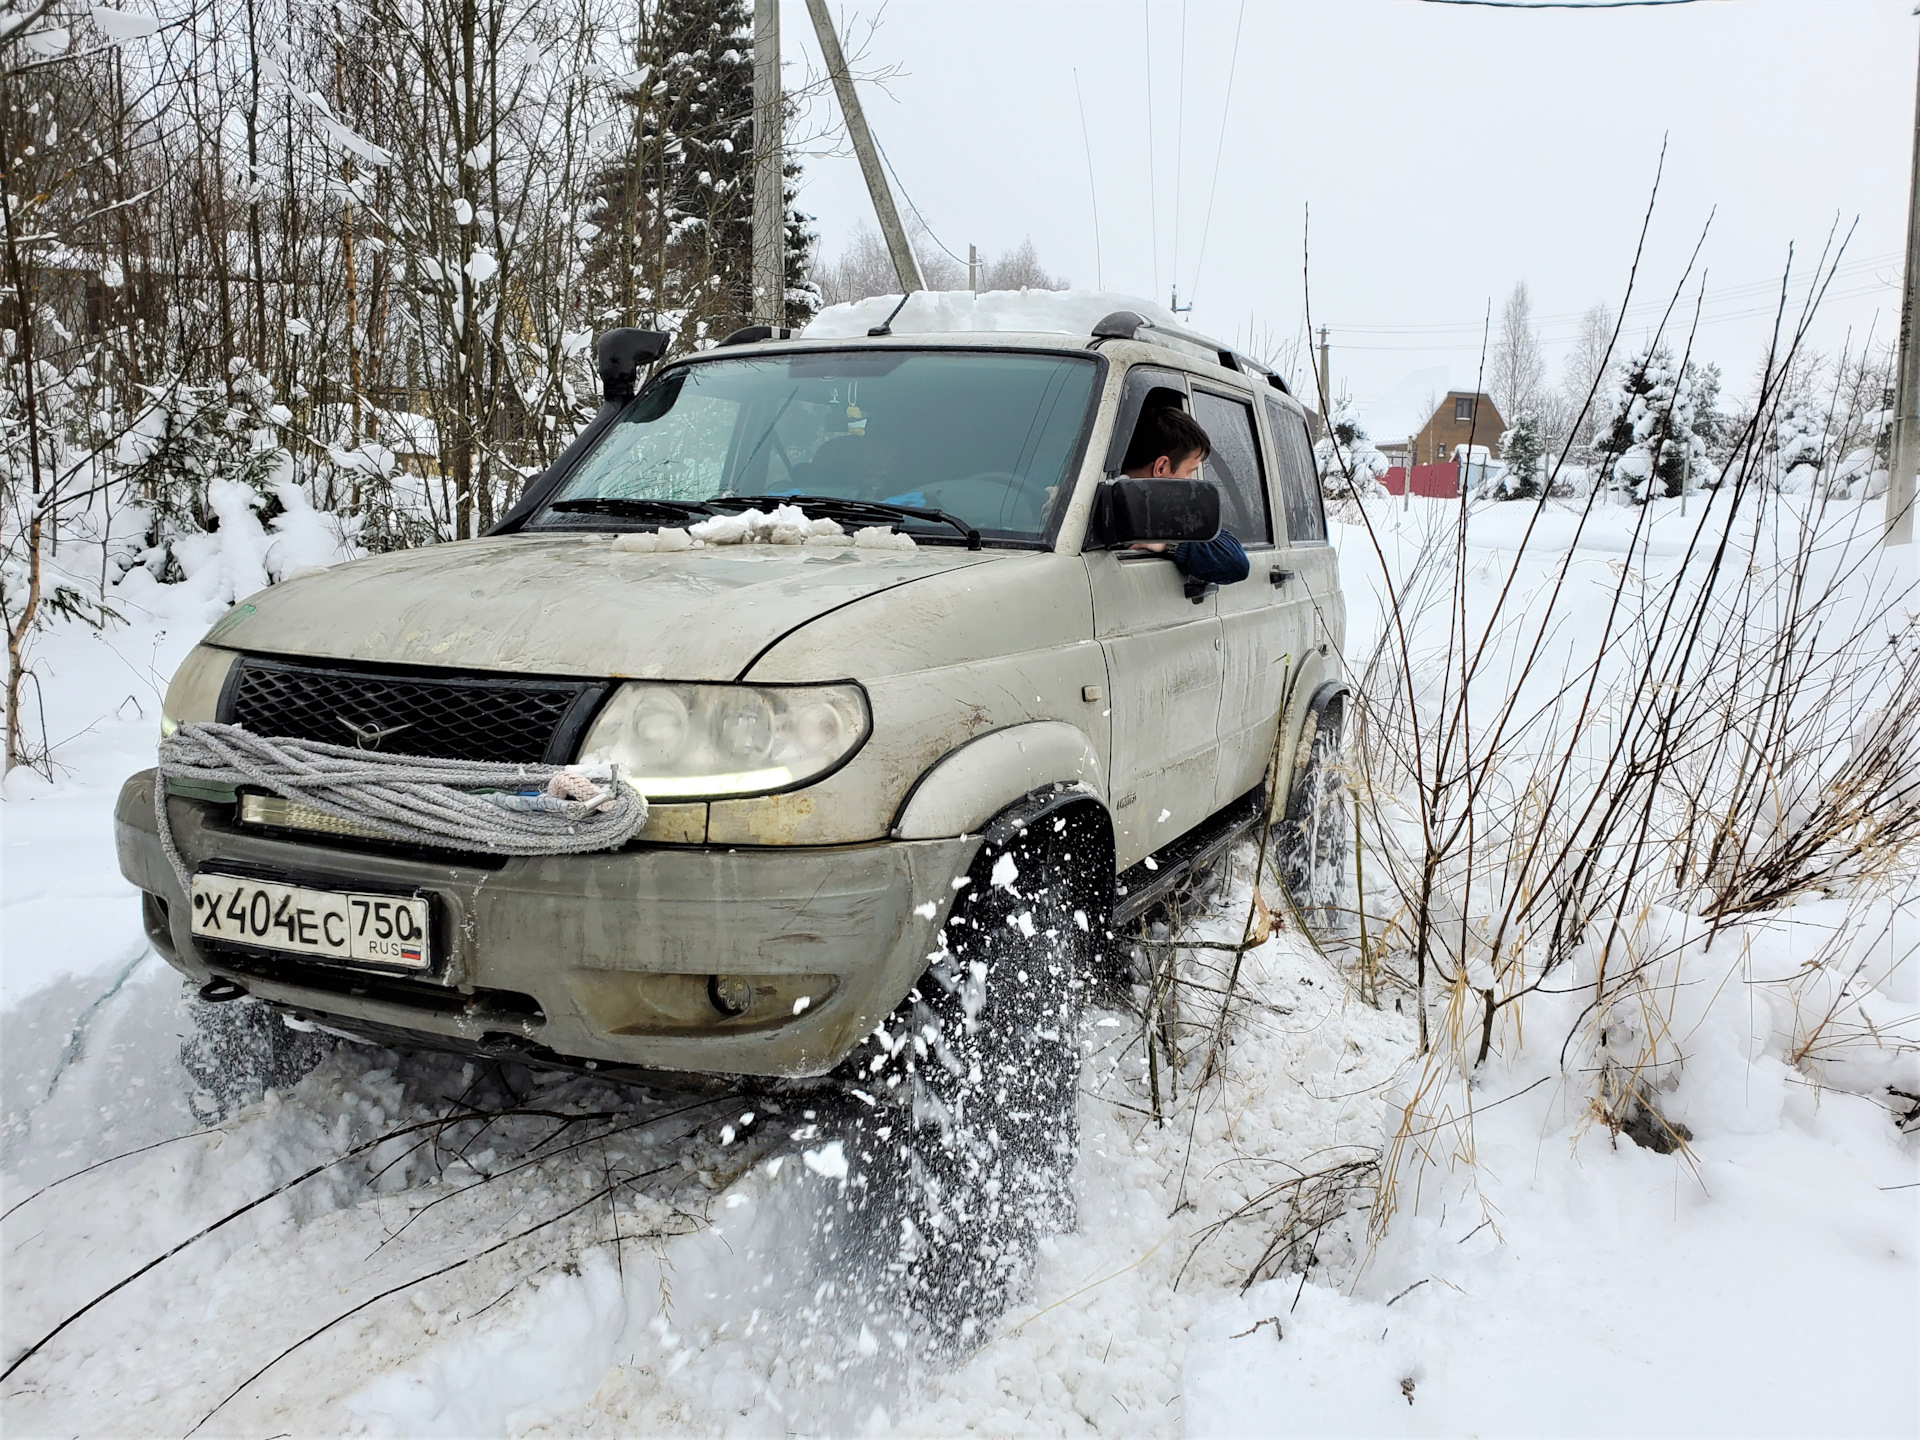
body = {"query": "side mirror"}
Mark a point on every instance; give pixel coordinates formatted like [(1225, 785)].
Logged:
[(1170, 511), (622, 354)]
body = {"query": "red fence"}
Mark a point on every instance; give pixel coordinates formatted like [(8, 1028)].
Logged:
[(1438, 482)]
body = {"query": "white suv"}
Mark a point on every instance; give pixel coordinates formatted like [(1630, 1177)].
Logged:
[(899, 789)]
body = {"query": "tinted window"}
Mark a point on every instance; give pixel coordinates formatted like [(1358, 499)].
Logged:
[(1299, 485), (1235, 467), (984, 436)]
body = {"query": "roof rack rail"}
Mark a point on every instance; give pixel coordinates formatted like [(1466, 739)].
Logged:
[(1132, 325), (750, 334)]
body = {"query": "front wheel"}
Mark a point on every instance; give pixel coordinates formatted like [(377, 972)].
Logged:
[(1316, 836), (974, 1077)]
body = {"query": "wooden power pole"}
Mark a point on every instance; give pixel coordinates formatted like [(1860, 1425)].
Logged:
[(769, 165), (905, 265), (1906, 399)]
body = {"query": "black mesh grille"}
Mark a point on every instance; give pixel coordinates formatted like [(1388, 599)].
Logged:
[(454, 718)]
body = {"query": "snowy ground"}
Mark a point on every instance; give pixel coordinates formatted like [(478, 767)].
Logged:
[(652, 1264)]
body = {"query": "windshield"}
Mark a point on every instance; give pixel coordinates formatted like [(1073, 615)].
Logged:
[(984, 436)]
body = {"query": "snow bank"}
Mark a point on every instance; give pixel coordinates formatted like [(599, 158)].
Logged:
[(947, 312)]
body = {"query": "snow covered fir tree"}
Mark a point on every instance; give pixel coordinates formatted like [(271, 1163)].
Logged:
[(1523, 451), (1649, 445), (675, 212)]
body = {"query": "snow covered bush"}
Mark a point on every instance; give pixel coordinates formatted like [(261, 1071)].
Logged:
[(1349, 464), (1800, 448)]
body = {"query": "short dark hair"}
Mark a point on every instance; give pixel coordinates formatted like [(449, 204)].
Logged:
[(1167, 430)]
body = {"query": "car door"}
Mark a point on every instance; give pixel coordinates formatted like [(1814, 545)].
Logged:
[(1163, 651), (1314, 619), (1253, 652)]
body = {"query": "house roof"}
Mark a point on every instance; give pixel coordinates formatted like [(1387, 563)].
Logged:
[(1404, 409)]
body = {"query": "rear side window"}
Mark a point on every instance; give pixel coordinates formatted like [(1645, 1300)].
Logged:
[(1235, 466), (1299, 486)]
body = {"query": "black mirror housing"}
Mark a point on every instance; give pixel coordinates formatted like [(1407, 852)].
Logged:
[(623, 354), (1169, 511)]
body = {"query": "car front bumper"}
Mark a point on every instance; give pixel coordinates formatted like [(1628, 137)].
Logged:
[(608, 958)]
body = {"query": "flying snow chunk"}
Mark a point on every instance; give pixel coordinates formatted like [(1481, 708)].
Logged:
[(1005, 872), (829, 1160), (925, 912)]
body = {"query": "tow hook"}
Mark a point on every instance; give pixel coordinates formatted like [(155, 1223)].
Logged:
[(219, 990)]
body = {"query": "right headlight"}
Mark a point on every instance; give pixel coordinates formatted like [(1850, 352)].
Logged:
[(707, 741)]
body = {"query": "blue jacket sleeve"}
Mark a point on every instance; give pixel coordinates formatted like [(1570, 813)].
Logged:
[(1219, 561)]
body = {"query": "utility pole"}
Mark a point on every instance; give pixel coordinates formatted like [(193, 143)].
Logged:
[(1906, 399), (769, 181), (906, 267), (973, 269), (1326, 370)]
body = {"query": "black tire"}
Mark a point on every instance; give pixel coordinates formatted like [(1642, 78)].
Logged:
[(974, 1078), (1316, 837)]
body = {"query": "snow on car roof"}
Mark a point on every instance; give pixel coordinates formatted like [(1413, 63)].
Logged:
[(959, 312)]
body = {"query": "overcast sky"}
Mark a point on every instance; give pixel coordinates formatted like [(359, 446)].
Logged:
[(1446, 151)]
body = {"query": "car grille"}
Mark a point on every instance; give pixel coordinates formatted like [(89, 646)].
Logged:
[(422, 713)]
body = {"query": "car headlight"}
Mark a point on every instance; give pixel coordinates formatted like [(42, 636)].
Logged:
[(686, 741), (194, 693)]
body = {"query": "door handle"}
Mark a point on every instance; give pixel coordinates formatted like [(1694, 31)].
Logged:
[(1279, 577)]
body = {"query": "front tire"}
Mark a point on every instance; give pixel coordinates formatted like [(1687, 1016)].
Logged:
[(1316, 836), (975, 1075)]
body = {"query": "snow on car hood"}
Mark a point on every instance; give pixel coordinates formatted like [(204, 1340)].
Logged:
[(570, 605)]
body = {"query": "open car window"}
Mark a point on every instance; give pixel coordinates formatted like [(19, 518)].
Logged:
[(986, 436)]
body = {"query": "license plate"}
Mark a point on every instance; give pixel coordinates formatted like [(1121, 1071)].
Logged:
[(359, 929)]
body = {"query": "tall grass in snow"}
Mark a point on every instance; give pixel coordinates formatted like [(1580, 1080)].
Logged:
[(1577, 771)]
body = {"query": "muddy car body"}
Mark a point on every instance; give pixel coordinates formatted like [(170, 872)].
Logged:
[(766, 919)]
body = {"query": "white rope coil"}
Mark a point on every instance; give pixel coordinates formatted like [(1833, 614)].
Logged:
[(452, 804)]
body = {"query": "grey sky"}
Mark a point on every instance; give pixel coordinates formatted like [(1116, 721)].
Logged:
[(1446, 151)]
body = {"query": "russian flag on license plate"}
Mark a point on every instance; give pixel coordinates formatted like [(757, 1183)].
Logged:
[(409, 955)]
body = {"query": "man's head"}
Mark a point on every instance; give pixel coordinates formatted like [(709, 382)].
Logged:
[(1168, 443)]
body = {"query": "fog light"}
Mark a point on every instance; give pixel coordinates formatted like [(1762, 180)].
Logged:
[(731, 994)]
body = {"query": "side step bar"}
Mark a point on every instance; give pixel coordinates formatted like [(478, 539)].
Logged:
[(1145, 885)]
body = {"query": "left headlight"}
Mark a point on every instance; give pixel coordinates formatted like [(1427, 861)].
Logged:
[(697, 741), (194, 692)]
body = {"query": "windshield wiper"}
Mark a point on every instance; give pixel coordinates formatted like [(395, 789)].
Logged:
[(836, 507), (629, 507)]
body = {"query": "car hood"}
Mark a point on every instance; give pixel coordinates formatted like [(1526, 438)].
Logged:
[(571, 605)]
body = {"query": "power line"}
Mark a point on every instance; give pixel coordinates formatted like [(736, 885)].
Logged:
[(1731, 315), (1093, 195), (913, 207), (1179, 144), (1226, 109), (1153, 184), (1563, 4), (1572, 317)]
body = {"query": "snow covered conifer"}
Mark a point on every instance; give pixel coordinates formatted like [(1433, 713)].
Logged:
[(1647, 444), (1349, 464), (1523, 449), (676, 207), (1800, 447)]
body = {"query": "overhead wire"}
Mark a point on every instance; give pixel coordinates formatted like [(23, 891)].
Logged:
[(1093, 194), (1573, 317), (1153, 184), (1226, 110), (910, 205), (1179, 146)]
